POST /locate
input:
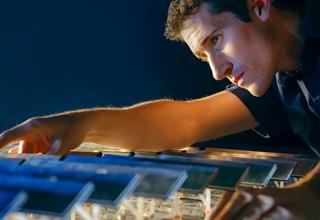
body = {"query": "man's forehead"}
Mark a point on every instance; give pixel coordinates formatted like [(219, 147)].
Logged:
[(197, 27)]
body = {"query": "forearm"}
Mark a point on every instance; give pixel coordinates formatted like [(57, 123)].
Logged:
[(153, 126), (167, 124)]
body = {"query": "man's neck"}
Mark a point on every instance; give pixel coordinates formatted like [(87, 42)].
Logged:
[(291, 21), (289, 30)]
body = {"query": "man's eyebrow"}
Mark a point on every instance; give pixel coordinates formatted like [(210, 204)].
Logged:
[(198, 51), (210, 34)]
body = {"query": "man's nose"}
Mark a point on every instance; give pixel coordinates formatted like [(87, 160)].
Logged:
[(220, 67)]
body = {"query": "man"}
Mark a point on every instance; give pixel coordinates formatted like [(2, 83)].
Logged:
[(247, 41)]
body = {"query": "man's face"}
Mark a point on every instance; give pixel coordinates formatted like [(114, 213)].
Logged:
[(245, 53)]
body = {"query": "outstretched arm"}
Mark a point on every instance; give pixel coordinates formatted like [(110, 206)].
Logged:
[(151, 126)]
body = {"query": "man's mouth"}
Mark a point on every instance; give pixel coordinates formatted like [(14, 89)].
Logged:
[(236, 80)]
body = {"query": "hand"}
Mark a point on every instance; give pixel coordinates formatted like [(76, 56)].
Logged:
[(55, 134), (301, 201)]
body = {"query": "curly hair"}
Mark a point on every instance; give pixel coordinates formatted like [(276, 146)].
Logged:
[(179, 10)]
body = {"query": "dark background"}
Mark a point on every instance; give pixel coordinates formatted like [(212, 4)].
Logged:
[(63, 55)]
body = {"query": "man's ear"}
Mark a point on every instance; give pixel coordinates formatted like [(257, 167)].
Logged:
[(262, 9)]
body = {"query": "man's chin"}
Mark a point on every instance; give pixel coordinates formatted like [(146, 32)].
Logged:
[(257, 91)]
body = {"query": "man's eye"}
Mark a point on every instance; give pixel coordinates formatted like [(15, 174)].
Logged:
[(216, 39)]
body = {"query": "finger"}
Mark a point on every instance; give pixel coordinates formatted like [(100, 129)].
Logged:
[(26, 147), (223, 201), (256, 208), (237, 202), (20, 148), (55, 147), (61, 147), (280, 196), (276, 213), (13, 150), (68, 143), (12, 135)]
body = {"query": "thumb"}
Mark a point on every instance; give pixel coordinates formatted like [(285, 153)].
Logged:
[(55, 147), (63, 146)]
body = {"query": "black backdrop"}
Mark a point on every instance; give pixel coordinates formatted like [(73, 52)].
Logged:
[(62, 55)]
